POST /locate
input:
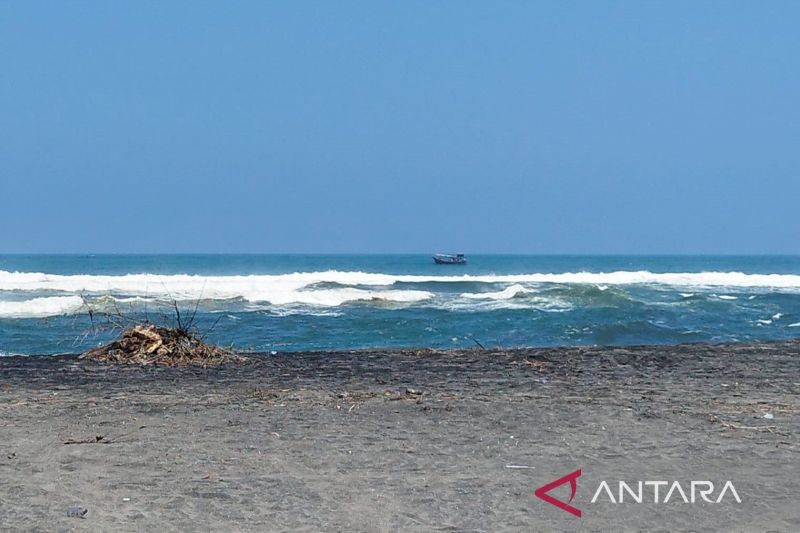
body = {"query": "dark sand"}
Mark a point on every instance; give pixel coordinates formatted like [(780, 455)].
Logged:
[(404, 441)]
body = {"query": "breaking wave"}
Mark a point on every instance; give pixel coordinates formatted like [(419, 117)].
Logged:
[(250, 286), (51, 294), (41, 307), (510, 292)]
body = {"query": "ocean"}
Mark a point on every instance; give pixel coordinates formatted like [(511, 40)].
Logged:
[(341, 302)]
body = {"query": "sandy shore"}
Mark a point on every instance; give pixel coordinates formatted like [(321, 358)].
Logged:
[(402, 440)]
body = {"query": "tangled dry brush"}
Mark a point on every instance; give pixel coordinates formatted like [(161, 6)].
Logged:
[(148, 344)]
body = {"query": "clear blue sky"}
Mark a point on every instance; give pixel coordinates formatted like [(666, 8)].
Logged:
[(529, 127)]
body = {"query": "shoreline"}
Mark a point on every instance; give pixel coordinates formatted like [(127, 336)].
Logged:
[(486, 350), (401, 439)]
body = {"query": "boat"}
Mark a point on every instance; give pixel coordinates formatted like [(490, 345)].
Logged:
[(450, 259)]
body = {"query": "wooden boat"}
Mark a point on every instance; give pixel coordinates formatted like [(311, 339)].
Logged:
[(449, 259)]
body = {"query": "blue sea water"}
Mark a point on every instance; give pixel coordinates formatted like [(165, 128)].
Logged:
[(316, 302)]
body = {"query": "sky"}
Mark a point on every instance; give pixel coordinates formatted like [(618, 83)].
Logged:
[(400, 127)]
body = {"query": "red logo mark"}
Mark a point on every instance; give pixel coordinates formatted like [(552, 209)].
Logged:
[(572, 478)]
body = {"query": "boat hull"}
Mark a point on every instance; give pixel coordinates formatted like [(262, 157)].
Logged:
[(449, 260)]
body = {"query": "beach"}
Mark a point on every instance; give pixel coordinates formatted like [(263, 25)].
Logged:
[(403, 440), (399, 267)]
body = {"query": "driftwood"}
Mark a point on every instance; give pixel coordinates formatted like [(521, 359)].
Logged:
[(97, 439), (153, 345)]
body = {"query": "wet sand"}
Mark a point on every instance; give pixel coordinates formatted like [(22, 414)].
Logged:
[(401, 440)]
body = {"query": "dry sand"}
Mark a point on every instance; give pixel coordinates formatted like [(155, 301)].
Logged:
[(401, 440)]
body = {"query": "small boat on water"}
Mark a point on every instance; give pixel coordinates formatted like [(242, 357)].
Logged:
[(450, 259)]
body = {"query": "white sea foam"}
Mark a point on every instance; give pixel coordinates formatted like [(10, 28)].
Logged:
[(41, 307), (63, 305), (794, 325), (505, 294), (298, 288), (140, 284), (727, 297), (302, 311), (777, 316), (134, 299), (334, 297), (467, 303), (274, 289)]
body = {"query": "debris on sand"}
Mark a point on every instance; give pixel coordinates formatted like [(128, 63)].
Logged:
[(76, 511), (154, 345), (91, 440)]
